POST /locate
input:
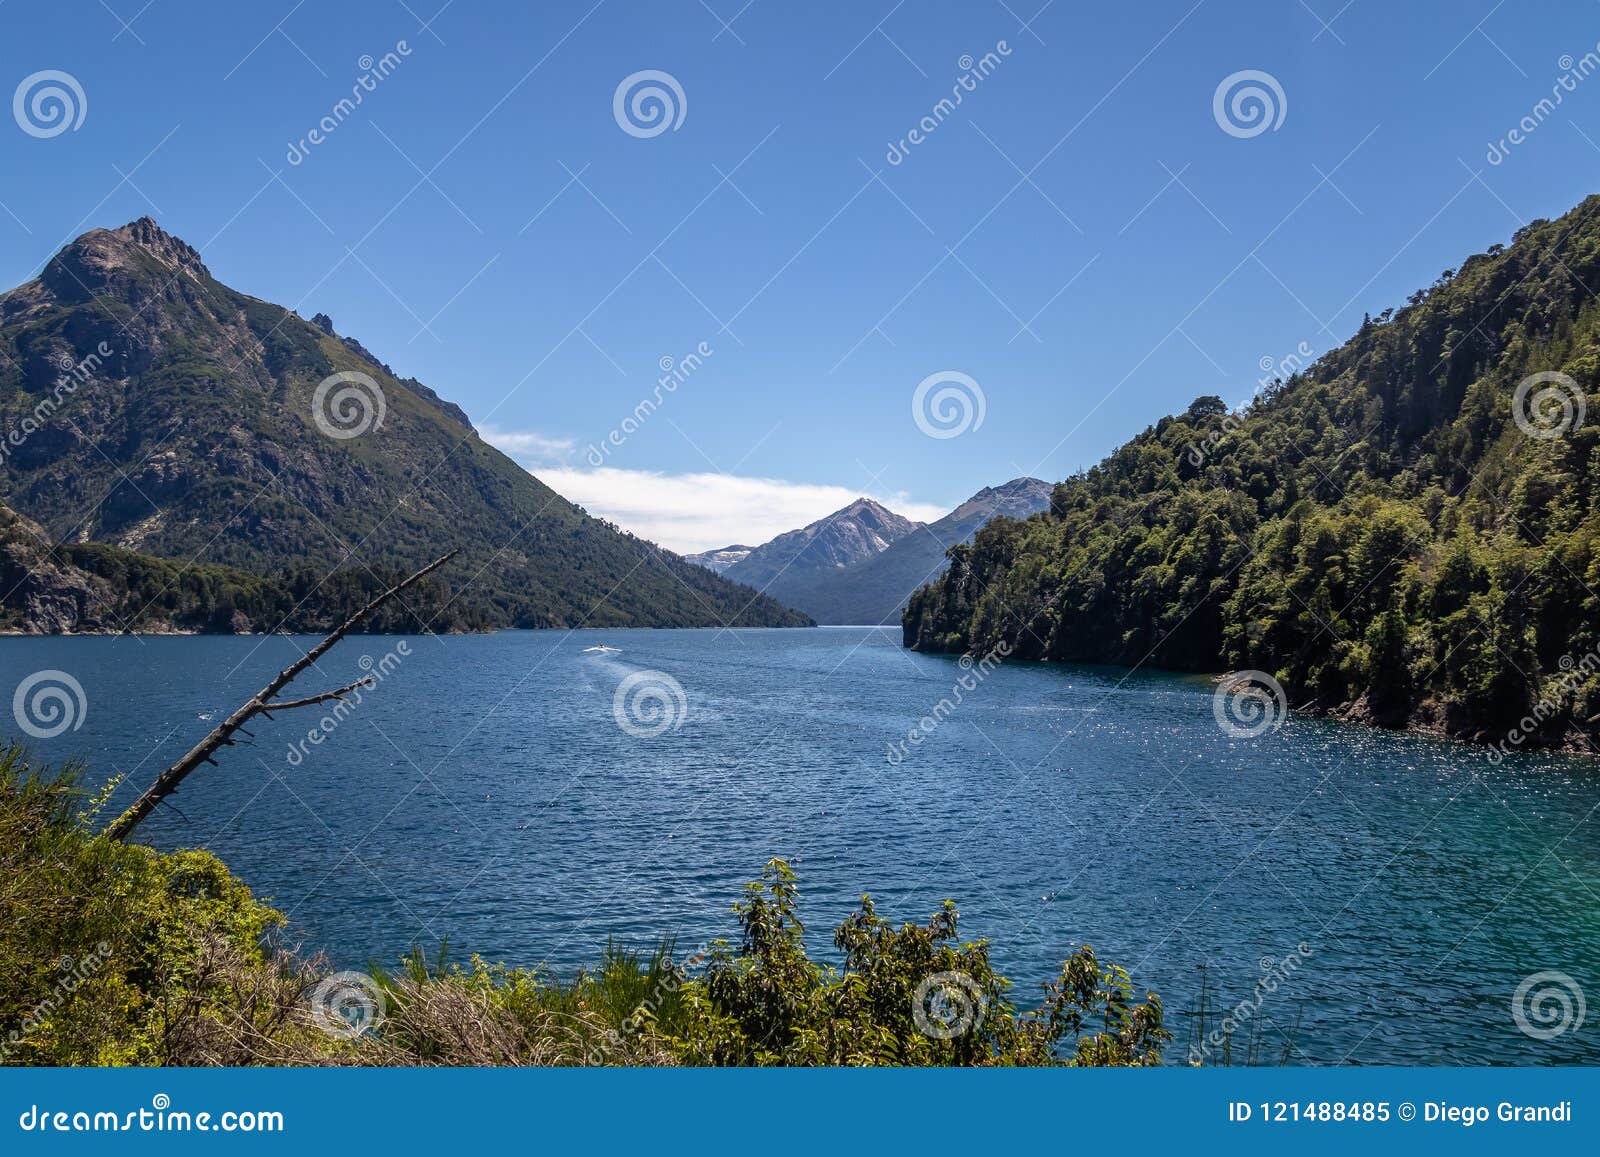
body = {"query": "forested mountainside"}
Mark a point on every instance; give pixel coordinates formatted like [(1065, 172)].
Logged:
[(147, 406), (92, 588), (1403, 532)]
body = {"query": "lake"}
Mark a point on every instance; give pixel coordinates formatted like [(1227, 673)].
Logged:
[(493, 790)]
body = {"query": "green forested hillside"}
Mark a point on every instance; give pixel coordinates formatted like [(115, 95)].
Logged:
[(89, 587), (146, 405), (1378, 531)]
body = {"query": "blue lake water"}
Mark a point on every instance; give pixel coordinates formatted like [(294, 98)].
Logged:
[(485, 793)]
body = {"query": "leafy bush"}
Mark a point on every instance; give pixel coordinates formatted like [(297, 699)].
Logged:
[(117, 954), (906, 996)]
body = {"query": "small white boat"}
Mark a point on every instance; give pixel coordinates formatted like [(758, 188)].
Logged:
[(602, 649)]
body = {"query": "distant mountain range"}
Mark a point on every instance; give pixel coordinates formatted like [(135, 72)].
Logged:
[(719, 560), (146, 406), (857, 532), (860, 564)]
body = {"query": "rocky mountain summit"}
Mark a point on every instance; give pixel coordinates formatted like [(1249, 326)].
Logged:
[(146, 406), (848, 535)]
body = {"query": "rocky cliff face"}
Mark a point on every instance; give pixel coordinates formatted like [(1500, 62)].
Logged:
[(325, 323), (39, 596)]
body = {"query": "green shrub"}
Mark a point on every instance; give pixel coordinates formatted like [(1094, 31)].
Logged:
[(906, 996)]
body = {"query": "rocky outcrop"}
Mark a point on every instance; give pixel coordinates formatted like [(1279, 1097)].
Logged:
[(38, 595)]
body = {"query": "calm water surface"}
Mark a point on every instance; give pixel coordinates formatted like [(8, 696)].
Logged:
[(485, 794)]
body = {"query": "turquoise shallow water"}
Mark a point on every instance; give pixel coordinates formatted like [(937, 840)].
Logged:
[(485, 793)]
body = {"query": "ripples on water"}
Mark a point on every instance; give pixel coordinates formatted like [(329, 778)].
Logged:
[(484, 793)]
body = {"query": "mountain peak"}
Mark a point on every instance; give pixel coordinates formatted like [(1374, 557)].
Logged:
[(110, 261), (863, 505), (856, 531), (865, 516), (211, 435), (163, 245), (1018, 498), (173, 252), (861, 563)]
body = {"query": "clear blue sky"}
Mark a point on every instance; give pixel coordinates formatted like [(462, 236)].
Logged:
[(548, 302)]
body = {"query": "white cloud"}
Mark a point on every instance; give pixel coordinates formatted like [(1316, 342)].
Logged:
[(528, 444), (694, 512), (688, 512)]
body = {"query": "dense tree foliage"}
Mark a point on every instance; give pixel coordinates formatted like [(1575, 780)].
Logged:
[(109, 589), (1376, 529)]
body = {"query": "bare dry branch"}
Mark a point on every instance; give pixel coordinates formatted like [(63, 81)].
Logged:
[(264, 702), (313, 700)]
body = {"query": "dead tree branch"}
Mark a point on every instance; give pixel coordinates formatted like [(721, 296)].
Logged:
[(263, 702), (313, 700)]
